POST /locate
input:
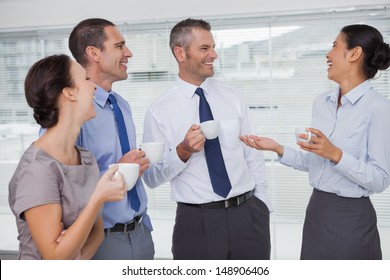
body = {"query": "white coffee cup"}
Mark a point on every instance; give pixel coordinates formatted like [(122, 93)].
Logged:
[(129, 172), (302, 130), (210, 129), (153, 151)]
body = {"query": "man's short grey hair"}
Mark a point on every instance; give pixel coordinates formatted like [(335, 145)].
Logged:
[(181, 33)]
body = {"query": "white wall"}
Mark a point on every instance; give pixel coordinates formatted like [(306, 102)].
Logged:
[(32, 13)]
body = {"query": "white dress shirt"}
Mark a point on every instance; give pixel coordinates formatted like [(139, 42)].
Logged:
[(170, 117), (360, 128)]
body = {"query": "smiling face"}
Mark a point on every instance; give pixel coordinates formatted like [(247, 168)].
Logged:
[(196, 61), (114, 56), (338, 60)]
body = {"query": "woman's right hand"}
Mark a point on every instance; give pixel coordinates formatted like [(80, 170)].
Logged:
[(111, 187), (262, 143)]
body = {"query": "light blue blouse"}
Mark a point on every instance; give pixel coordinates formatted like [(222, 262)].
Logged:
[(361, 128)]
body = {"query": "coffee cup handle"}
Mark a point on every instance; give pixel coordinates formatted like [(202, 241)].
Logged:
[(308, 136), (116, 174)]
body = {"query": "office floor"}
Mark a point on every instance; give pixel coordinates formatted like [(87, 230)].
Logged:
[(8, 255)]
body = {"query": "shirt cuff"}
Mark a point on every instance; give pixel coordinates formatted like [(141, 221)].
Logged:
[(345, 164), (175, 163), (288, 157)]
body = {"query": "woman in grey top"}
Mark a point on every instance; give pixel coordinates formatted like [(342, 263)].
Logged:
[(55, 192)]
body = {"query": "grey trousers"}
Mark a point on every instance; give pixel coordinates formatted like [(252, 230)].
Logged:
[(133, 245), (238, 232), (340, 228)]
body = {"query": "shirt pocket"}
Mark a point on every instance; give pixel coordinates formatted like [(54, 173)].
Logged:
[(230, 133)]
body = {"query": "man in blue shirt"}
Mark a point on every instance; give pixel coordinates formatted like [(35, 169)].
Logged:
[(101, 49)]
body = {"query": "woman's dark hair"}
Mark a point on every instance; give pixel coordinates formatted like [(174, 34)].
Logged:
[(376, 52), (43, 85)]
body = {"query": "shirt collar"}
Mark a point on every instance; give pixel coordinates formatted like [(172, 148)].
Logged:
[(356, 93), (333, 95), (101, 96), (352, 96), (189, 89)]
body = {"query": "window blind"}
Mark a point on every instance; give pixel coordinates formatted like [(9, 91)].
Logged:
[(277, 61)]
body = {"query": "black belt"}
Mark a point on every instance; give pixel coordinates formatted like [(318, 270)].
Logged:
[(233, 201), (125, 227)]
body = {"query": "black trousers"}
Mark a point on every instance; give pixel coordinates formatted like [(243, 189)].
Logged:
[(239, 232), (340, 228)]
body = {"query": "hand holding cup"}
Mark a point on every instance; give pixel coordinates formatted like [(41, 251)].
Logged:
[(210, 129), (153, 151), (301, 131), (129, 172)]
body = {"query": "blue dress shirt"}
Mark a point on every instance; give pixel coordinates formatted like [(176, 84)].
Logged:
[(100, 137), (360, 128)]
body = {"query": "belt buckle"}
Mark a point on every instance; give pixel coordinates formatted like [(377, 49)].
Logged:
[(136, 219), (238, 201), (233, 201), (126, 225)]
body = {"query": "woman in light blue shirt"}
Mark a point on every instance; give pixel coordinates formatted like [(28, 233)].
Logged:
[(348, 156)]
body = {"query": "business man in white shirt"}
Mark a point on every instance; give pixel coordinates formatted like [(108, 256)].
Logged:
[(214, 219)]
